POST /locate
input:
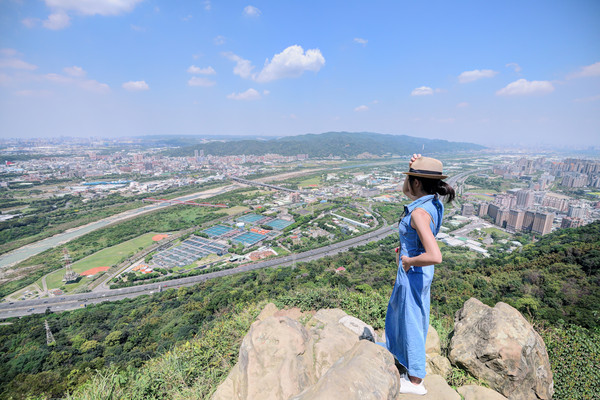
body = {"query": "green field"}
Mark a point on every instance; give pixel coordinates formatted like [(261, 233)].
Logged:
[(498, 232), (315, 180), (102, 258)]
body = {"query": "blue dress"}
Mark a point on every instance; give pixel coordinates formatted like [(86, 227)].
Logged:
[(407, 319)]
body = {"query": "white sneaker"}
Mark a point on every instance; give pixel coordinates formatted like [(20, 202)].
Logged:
[(407, 387)]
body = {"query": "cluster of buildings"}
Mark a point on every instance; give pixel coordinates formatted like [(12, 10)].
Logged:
[(535, 209)]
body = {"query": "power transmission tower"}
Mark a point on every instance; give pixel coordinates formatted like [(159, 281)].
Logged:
[(49, 336), (70, 275)]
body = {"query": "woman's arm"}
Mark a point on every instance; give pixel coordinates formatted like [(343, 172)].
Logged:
[(420, 221)]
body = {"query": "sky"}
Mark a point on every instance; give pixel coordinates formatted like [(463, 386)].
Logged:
[(495, 73)]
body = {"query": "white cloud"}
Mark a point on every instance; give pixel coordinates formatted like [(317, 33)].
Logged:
[(525, 87), (204, 82), (94, 86), (464, 104), (57, 21), (361, 108), (75, 71), (242, 67), (135, 86), (30, 22), (266, 92), (93, 7), (187, 18), (476, 74), (137, 28), (86, 84), (291, 63), (219, 40), (516, 67), (422, 91), (207, 5), (249, 94), (15, 63), (361, 41), (587, 71), (202, 71), (251, 11)]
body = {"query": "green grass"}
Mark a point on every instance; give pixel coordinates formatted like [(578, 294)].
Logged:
[(102, 258), (498, 232), (281, 251), (315, 180)]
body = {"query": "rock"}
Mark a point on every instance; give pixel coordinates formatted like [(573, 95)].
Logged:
[(275, 362), (474, 392), (500, 347), (357, 326), (437, 364), (269, 310), (331, 338), (366, 372), (432, 343), (437, 389)]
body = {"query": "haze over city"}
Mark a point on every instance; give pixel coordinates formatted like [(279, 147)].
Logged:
[(508, 73)]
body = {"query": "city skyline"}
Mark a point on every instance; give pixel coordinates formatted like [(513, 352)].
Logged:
[(495, 75)]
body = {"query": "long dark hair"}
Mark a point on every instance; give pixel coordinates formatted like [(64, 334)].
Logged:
[(435, 186)]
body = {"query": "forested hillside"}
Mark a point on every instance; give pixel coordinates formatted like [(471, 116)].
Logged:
[(554, 282), (342, 144)]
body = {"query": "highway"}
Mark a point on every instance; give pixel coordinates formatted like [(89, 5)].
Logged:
[(16, 256), (74, 301), (69, 302)]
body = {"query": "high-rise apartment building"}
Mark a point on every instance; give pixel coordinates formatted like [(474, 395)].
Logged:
[(577, 211), (525, 198), (467, 210), (483, 209), (515, 220), (528, 219), (542, 223)]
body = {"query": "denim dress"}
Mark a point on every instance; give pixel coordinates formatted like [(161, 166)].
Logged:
[(407, 319)]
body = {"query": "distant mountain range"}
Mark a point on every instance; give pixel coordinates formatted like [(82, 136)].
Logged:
[(342, 144)]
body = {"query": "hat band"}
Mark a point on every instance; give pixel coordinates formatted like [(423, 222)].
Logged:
[(424, 171)]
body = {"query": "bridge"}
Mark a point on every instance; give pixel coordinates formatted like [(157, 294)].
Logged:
[(186, 202)]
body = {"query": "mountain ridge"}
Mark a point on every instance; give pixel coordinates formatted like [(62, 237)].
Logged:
[(337, 144)]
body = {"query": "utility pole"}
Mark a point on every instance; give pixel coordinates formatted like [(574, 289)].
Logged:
[(49, 336)]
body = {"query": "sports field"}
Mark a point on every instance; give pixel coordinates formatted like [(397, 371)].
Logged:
[(250, 218), (103, 258)]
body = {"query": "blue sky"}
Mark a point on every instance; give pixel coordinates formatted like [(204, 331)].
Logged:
[(489, 72)]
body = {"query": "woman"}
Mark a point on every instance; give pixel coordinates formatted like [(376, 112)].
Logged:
[(407, 318)]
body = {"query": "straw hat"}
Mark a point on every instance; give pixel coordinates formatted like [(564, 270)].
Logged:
[(426, 167)]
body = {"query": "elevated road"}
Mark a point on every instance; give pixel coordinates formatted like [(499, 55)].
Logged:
[(74, 301)]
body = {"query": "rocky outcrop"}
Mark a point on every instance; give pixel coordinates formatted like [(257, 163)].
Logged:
[(281, 358), (500, 347), (474, 392)]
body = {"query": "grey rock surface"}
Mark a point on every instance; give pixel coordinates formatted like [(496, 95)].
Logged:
[(500, 347)]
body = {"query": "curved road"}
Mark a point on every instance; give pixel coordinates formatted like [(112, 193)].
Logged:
[(23, 253)]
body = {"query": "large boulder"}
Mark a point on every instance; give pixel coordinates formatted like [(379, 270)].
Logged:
[(500, 347), (366, 372), (437, 389), (280, 358), (474, 392), (275, 362)]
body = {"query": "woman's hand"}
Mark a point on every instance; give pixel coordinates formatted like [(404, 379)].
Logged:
[(412, 159), (406, 263)]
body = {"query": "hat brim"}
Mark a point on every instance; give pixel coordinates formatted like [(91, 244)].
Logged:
[(428, 176)]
